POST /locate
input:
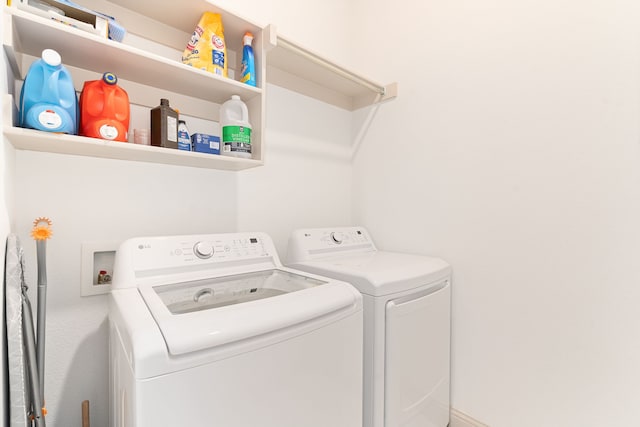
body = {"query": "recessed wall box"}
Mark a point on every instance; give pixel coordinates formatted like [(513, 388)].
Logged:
[(97, 267)]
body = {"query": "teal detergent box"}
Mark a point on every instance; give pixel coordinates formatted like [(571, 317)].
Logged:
[(203, 143)]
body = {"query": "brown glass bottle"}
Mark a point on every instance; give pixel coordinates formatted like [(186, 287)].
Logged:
[(164, 125)]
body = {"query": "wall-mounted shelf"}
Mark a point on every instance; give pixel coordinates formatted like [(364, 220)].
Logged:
[(148, 74), (28, 139), (294, 67)]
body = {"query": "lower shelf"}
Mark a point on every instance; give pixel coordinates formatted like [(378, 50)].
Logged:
[(33, 140)]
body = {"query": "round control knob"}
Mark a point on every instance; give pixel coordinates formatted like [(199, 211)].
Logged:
[(203, 250), (337, 237)]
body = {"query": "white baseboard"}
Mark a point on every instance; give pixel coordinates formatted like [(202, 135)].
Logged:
[(458, 419)]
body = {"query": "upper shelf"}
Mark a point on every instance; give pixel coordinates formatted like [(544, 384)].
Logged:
[(181, 15), (292, 66), (26, 33)]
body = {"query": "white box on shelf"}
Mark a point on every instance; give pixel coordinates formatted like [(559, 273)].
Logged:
[(74, 17)]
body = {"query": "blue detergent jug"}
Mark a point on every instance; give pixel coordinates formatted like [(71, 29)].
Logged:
[(48, 100)]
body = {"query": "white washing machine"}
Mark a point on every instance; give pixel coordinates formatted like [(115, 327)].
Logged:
[(212, 330), (407, 300)]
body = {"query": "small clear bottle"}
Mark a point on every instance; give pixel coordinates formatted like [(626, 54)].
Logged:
[(184, 138)]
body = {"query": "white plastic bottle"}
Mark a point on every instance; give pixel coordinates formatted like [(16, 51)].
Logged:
[(235, 128), (184, 138)]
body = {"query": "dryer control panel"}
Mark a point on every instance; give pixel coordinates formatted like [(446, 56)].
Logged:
[(314, 243)]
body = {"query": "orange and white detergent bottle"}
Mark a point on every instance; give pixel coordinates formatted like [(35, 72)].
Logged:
[(104, 109)]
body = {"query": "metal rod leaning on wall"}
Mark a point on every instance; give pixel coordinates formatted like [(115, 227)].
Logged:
[(42, 309), (41, 232), (32, 364)]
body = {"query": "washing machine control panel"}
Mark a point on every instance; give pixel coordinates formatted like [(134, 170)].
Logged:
[(206, 250), (323, 241)]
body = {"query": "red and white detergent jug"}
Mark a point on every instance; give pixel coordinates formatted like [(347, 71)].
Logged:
[(104, 109)]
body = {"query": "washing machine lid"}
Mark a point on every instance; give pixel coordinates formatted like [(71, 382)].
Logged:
[(379, 273), (211, 312)]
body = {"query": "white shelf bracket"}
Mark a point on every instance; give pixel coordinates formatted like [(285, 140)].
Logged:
[(390, 92), (270, 37)]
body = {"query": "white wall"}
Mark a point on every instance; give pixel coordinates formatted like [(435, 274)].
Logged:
[(325, 27), (512, 151), (306, 179)]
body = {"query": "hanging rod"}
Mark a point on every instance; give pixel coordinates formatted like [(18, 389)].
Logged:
[(381, 90)]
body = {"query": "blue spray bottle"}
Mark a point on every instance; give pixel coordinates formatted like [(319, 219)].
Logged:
[(248, 63)]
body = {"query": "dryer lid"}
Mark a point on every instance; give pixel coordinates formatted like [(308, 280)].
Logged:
[(380, 273), (207, 313)]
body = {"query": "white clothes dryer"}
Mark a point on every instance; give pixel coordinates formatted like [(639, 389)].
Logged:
[(212, 330), (407, 326)]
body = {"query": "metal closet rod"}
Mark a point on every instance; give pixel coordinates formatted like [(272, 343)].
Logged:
[(335, 68)]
